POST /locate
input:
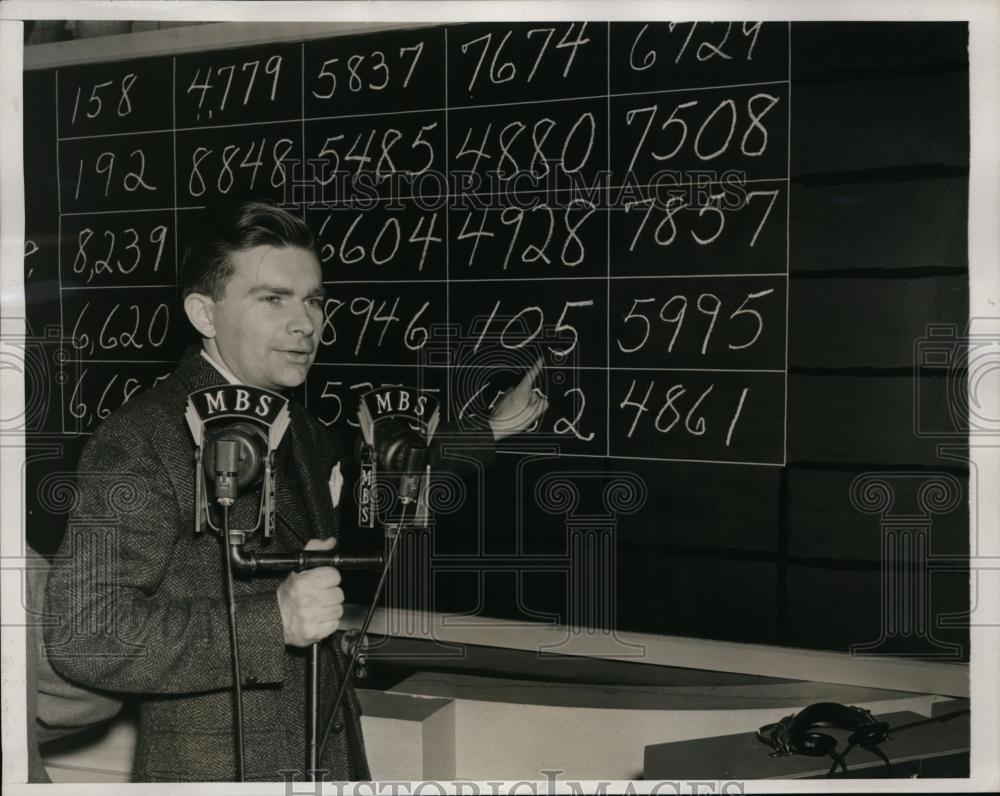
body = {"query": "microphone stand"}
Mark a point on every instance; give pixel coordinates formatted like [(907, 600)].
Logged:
[(226, 489), (255, 563), (409, 491), (313, 709), (235, 657), (277, 563), (332, 724)]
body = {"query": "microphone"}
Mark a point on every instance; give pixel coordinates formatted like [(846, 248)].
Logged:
[(397, 424), (413, 468), (252, 422), (227, 457), (402, 452)]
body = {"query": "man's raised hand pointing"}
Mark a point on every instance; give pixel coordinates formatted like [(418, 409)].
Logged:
[(520, 407)]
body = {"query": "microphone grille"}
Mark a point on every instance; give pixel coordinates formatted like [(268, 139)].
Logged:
[(227, 455)]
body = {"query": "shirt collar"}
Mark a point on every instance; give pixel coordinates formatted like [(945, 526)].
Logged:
[(226, 373)]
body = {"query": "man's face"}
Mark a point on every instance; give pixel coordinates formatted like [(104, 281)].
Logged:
[(268, 322)]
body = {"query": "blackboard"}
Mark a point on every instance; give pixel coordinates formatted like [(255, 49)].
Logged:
[(740, 248)]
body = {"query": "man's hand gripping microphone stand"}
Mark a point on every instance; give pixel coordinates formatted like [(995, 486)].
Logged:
[(227, 472), (236, 431)]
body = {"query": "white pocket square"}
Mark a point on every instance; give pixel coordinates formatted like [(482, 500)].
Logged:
[(336, 484)]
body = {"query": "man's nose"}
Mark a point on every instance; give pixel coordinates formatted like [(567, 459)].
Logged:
[(301, 322)]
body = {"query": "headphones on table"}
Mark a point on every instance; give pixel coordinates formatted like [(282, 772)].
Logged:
[(796, 734)]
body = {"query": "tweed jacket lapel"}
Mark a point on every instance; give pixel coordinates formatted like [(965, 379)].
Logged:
[(312, 516)]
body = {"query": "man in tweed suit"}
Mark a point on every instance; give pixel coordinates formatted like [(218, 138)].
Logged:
[(140, 597)]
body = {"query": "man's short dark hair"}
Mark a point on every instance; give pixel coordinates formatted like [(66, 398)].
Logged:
[(227, 229)]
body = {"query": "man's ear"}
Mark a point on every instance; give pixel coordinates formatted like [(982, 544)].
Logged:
[(200, 310)]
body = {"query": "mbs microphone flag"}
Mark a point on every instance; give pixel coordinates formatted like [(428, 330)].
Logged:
[(257, 419), (384, 415)]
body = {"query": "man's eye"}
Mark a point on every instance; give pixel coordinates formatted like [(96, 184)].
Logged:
[(272, 299), (315, 302)]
